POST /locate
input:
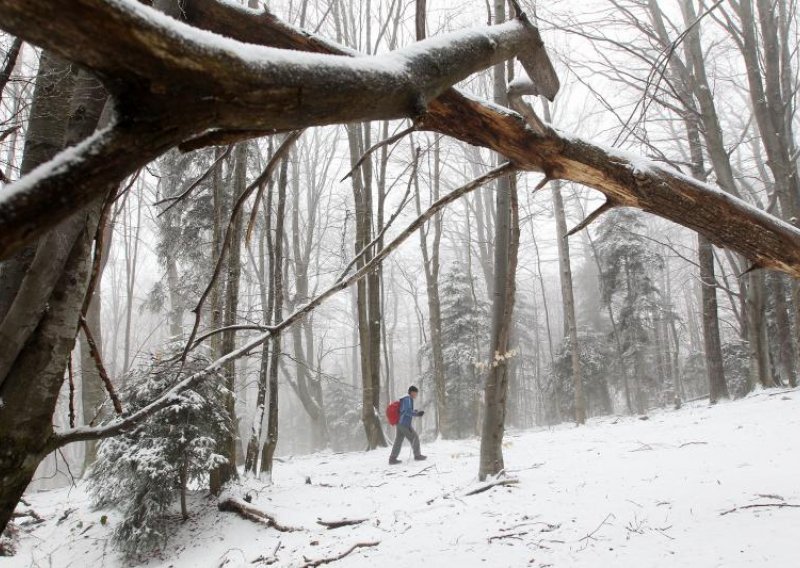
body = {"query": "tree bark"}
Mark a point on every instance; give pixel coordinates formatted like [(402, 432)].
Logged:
[(505, 267), (271, 442), (565, 272), (718, 388), (786, 356), (367, 293), (227, 445), (26, 415), (25, 419), (570, 323), (266, 280)]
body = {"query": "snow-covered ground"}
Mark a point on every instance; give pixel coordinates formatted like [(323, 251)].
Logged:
[(700, 487)]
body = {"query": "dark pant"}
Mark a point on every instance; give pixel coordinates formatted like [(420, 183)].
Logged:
[(405, 432)]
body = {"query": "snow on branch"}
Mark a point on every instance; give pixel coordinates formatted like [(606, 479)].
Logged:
[(279, 88), (173, 82), (72, 180), (625, 179)]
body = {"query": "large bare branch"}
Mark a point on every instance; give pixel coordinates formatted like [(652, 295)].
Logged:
[(259, 86), (626, 180), (169, 398), (176, 82), (76, 177), (154, 58)]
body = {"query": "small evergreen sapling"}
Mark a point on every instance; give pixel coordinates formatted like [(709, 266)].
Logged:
[(142, 473)]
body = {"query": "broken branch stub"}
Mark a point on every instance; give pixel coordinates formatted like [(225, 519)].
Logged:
[(537, 64)]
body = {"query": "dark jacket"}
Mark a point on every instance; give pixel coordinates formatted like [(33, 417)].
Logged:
[(407, 410)]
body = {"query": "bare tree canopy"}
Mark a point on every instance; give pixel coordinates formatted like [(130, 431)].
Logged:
[(172, 82)]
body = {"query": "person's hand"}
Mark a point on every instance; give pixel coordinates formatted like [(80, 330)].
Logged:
[(420, 412)]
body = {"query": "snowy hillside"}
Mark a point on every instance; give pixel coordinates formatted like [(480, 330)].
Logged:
[(700, 487)]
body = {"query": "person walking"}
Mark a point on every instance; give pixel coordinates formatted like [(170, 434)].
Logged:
[(404, 429)]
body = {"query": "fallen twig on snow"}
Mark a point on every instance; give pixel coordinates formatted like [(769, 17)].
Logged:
[(693, 444), (590, 536), (67, 512), (232, 505), (548, 527), (311, 563), (495, 483), (663, 531), (267, 560), (516, 535), (330, 525), (760, 506), (422, 471)]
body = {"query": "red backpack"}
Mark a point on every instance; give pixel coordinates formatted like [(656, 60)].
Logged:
[(393, 412)]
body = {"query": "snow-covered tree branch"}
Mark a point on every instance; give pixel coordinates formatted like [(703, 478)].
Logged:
[(172, 82)]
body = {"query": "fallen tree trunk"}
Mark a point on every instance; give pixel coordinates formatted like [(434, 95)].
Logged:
[(232, 505)]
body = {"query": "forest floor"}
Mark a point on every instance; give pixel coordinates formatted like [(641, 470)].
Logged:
[(701, 487)]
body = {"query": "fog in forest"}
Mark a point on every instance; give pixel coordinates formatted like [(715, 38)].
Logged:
[(581, 303)]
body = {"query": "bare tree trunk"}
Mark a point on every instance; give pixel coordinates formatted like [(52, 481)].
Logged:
[(718, 388), (430, 264), (92, 391), (227, 445), (131, 240), (266, 280), (507, 245), (45, 356), (692, 84), (57, 116), (368, 294), (565, 272), (756, 332), (374, 311), (767, 74), (720, 158), (784, 333), (44, 138), (505, 269), (183, 480), (305, 384), (253, 445), (271, 443)]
